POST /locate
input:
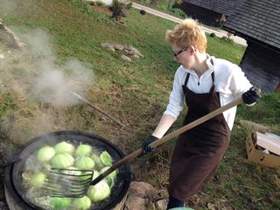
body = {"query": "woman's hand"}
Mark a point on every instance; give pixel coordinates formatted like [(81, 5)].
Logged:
[(145, 146), (251, 96)]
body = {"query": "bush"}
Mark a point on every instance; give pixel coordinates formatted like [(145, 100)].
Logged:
[(100, 3), (212, 35), (225, 38), (120, 9), (178, 12), (129, 5)]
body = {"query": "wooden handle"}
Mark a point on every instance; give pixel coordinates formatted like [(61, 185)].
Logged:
[(168, 137)]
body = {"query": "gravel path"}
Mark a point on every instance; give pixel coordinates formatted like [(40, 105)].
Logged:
[(207, 29)]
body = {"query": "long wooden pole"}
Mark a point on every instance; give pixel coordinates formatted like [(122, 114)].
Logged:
[(168, 137)]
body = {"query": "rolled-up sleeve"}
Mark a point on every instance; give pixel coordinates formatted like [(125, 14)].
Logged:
[(239, 82), (176, 98)]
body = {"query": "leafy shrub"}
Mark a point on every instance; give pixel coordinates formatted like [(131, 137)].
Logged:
[(119, 9), (212, 35), (178, 12), (100, 3), (225, 38)]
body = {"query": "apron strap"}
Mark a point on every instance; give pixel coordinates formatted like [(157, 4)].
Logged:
[(213, 85), (213, 77), (187, 79), (211, 61)]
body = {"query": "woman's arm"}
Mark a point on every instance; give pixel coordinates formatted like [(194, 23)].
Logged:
[(174, 107), (164, 124), (239, 83)]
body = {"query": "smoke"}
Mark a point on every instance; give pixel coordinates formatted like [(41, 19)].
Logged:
[(54, 85), (7, 6), (54, 82), (34, 76), (35, 72), (39, 44)]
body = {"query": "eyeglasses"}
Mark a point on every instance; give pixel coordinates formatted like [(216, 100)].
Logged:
[(180, 51)]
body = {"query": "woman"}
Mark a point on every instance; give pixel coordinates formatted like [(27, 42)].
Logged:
[(205, 83)]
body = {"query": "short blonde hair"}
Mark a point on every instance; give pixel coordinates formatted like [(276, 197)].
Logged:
[(187, 33)]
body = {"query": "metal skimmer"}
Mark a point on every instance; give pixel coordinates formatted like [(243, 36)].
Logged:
[(67, 182)]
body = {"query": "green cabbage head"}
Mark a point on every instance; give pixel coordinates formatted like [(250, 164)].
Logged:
[(84, 163), (99, 192), (58, 203), (37, 180), (64, 147), (83, 203), (111, 178), (45, 153), (62, 161), (106, 158), (83, 150)]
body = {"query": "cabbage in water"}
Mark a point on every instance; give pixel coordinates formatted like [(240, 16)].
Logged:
[(58, 203), (60, 156), (99, 192), (64, 147), (37, 179), (62, 161), (81, 203), (45, 153), (106, 158), (83, 150), (84, 163)]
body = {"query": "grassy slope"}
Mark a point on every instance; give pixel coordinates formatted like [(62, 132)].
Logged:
[(137, 93)]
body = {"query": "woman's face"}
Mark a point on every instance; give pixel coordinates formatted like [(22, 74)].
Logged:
[(184, 56)]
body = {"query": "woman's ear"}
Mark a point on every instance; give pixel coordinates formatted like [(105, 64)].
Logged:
[(192, 49)]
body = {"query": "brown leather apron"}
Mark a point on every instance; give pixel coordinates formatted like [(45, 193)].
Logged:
[(199, 150)]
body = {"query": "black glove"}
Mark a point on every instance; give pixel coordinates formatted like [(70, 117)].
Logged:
[(145, 146), (251, 96)]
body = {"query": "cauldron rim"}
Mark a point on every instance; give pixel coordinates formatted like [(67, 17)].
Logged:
[(126, 178)]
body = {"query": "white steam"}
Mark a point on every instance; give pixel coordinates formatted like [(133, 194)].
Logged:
[(54, 83), (34, 72), (7, 6), (39, 43), (14, 7)]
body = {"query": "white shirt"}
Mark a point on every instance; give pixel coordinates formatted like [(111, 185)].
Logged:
[(230, 81)]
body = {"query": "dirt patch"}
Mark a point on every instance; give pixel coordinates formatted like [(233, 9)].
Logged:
[(102, 9)]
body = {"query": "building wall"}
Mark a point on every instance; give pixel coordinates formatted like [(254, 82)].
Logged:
[(262, 66), (204, 16)]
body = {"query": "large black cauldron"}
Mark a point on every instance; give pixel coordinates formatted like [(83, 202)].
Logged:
[(15, 192)]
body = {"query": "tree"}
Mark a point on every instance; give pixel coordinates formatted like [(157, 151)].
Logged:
[(119, 10)]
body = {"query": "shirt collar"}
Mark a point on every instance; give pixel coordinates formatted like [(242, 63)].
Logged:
[(210, 63)]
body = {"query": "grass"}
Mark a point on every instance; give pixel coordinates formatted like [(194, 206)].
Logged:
[(266, 112), (6, 103), (137, 93), (164, 6), (222, 48)]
